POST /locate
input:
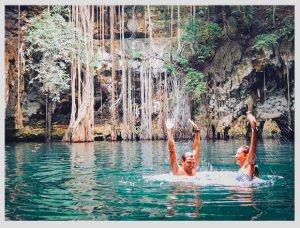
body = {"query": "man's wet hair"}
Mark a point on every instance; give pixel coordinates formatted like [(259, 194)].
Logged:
[(184, 155)]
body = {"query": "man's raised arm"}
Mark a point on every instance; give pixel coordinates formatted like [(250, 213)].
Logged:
[(252, 148), (196, 144), (171, 146)]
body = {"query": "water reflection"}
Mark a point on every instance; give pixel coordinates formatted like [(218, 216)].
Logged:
[(19, 156), (83, 183), (147, 154), (184, 198), (245, 197), (107, 181), (129, 158)]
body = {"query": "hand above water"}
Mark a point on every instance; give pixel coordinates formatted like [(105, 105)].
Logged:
[(169, 124), (252, 120), (196, 128)]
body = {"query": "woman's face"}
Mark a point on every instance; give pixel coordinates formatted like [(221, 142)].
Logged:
[(240, 157)]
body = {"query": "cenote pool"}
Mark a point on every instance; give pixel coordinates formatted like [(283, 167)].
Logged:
[(132, 181)]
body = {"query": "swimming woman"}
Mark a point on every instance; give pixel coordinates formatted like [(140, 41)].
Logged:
[(245, 156), (189, 160)]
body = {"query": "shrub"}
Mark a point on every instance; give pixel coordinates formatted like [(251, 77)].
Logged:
[(266, 40)]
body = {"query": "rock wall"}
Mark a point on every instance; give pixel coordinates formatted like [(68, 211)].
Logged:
[(238, 77), (242, 78)]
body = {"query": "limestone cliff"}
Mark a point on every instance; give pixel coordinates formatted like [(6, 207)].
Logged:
[(238, 76)]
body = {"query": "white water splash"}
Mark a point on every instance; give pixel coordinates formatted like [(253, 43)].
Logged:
[(215, 178)]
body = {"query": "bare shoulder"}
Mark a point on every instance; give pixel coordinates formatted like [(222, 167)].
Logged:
[(181, 171)]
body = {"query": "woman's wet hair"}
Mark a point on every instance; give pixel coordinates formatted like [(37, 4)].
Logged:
[(256, 173), (185, 155), (244, 149)]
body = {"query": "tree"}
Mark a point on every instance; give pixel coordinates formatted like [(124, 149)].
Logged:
[(49, 51), (81, 127), (273, 14), (202, 38), (266, 40), (113, 73), (19, 116)]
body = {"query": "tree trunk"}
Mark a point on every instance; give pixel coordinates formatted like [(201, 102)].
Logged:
[(178, 29), (48, 119), (103, 28), (265, 90), (224, 17), (288, 89), (19, 116), (194, 12), (171, 33), (81, 127), (102, 49), (161, 109), (113, 73), (208, 13), (273, 15)]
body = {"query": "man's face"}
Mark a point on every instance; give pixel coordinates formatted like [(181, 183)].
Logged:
[(189, 164)]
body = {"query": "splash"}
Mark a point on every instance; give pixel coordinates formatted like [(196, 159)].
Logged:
[(215, 178)]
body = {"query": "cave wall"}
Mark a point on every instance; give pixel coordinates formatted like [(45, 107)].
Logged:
[(242, 78), (239, 77)]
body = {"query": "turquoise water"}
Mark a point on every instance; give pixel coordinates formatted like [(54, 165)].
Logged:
[(131, 181)]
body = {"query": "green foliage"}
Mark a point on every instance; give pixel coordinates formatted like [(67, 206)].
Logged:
[(171, 68), (183, 62), (96, 59), (236, 11), (248, 13), (245, 13), (287, 30), (203, 36), (203, 52), (202, 10), (269, 14), (137, 55), (193, 79), (194, 83), (266, 40), (51, 37), (210, 33), (61, 10), (140, 9)]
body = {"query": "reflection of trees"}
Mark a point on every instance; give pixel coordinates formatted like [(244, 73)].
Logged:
[(20, 169), (83, 183), (135, 154), (147, 154), (22, 155), (14, 168), (19, 155), (127, 154), (180, 200)]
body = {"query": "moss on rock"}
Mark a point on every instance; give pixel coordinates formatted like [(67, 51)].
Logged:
[(271, 129), (239, 129)]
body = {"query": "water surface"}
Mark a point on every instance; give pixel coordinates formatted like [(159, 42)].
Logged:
[(132, 181)]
